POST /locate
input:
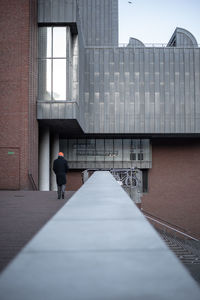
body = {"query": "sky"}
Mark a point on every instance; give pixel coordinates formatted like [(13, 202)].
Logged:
[(154, 21)]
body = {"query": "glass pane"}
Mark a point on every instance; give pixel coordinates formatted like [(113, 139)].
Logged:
[(117, 153), (44, 42), (146, 149), (109, 152), (49, 41), (72, 146), (81, 150), (91, 149), (44, 79), (140, 156), (59, 79), (126, 149), (132, 156), (100, 152), (59, 42), (135, 145), (63, 147)]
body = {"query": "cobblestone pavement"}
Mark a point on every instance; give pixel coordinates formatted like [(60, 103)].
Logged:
[(22, 214)]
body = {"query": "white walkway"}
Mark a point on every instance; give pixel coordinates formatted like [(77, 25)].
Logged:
[(98, 246)]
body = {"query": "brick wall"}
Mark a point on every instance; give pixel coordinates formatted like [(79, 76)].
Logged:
[(74, 180), (14, 84), (174, 184)]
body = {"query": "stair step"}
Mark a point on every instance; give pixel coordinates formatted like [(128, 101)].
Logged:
[(181, 251)]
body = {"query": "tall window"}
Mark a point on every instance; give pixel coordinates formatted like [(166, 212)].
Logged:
[(54, 58)]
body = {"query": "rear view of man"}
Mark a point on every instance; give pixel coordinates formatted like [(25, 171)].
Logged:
[(60, 168)]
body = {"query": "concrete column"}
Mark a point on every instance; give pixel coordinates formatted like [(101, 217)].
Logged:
[(54, 155), (44, 159)]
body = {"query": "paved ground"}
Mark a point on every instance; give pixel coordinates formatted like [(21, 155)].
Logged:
[(22, 214), (98, 247)]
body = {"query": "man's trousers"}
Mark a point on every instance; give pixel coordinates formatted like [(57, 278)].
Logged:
[(61, 191)]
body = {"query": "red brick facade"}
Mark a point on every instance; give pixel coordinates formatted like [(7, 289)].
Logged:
[(174, 183), (74, 180), (15, 83)]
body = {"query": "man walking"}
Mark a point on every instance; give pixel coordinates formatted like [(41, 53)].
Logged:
[(60, 168)]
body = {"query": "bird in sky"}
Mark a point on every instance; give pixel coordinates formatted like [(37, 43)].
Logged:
[(130, 2)]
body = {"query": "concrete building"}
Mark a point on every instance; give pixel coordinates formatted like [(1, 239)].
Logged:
[(66, 85)]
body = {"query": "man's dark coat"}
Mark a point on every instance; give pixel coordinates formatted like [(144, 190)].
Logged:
[(60, 168)]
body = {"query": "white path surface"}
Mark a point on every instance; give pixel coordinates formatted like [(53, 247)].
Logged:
[(98, 246)]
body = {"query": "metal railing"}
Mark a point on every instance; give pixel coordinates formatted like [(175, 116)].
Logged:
[(126, 177), (32, 181), (169, 226)]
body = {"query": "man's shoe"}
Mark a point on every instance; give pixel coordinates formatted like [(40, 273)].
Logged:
[(63, 196)]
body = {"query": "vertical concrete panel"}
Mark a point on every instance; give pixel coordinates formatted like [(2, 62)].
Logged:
[(177, 89), (192, 88), (114, 24), (167, 90), (56, 11), (127, 93), (197, 90), (137, 100), (186, 90), (93, 23), (97, 22), (152, 89), (162, 106), (100, 22), (172, 89), (147, 90), (131, 92), (157, 90), (54, 155), (101, 12), (44, 151), (182, 94), (117, 112), (107, 115), (141, 91), (120, 104)]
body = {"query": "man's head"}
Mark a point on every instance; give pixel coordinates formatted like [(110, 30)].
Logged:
[(61, 154)]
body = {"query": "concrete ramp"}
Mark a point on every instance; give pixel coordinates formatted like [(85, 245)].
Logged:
[(98, 246)]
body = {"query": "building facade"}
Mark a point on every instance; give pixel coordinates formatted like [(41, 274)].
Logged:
[(68, 86)]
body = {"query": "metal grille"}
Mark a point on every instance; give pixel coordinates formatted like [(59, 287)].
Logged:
[(127, 177)]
